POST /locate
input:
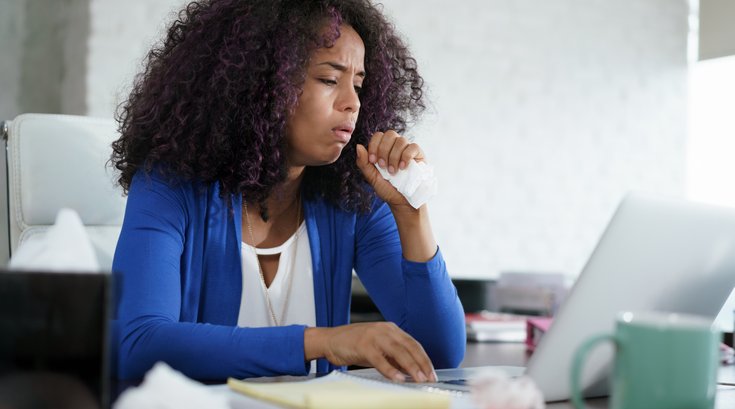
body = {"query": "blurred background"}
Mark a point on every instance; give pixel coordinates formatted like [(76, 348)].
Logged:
[(543, 113)]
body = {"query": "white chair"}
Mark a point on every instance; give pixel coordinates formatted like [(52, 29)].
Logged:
[(57, 161)]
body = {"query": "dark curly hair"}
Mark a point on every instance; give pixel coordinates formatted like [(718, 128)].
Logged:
[(212, 101)]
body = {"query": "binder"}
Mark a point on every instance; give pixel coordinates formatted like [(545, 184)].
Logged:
[(495, 327), (536, 327)]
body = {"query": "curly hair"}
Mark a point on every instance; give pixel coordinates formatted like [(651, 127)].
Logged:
[(212, 101)]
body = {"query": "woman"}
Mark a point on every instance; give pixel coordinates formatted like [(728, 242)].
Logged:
[(248, 150)]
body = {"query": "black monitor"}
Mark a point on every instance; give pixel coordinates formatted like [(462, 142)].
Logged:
[(54, 331)]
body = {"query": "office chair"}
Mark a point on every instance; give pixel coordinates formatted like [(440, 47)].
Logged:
[(57, 161)]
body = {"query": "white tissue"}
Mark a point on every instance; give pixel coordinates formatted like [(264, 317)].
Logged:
[(65, 246), (496, 390), (416, 182), (165, 388)]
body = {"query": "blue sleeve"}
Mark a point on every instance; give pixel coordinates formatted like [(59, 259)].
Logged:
[(419, 297), (148, 259)]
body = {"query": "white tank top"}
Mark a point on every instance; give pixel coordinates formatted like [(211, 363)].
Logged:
[(295, 260)]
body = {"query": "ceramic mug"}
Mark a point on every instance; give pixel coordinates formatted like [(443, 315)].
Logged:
[(662, 360)]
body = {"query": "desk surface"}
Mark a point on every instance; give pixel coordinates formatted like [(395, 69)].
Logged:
[(514, 354), (481, 354)]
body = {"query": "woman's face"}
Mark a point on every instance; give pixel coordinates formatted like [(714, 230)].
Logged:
[(326, 112)]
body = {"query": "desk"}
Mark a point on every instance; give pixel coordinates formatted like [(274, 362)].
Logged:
[(514, 354), (481, 354)]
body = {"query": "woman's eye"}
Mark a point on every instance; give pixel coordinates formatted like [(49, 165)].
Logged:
[(328, 81), (358, 89)]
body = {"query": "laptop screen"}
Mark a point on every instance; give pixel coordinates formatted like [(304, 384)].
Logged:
[(53, 338)]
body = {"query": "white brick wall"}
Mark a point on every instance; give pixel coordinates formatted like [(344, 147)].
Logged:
[(544, 114), (121, 33), (12, 18)]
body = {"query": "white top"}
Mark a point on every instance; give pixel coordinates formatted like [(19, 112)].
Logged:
[(295, 259)]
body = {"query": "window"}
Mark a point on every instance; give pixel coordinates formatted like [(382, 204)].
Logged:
[(711, 144)]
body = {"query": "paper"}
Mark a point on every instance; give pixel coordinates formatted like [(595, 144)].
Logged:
[(416, 182), (338, 391), (494, 389), (165, 388), (65, 246)]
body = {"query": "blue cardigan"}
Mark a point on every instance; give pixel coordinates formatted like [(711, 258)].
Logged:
[(179, 258)]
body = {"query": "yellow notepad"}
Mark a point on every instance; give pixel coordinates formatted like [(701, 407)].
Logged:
[(339, 391)]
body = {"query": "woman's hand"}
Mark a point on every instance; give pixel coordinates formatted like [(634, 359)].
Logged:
[(394, 151), (390, 151), (381, 345)]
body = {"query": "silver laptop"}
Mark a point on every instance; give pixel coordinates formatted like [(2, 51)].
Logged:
[(655, 254)]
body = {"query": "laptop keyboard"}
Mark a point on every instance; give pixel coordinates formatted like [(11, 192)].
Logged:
[(460, 382)]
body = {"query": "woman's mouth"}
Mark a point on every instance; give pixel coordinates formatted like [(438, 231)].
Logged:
[(343, 133)]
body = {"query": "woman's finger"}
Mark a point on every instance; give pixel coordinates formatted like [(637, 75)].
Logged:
[(402, 356), (372, 147), (412, 152), (407, 353), (378, 361), (386, 145), (383, 346), (365, 166), (418, 355), (394, 158)]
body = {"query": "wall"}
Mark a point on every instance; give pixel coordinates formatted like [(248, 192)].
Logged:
[(12, 18), (716, 28), (74, 56), (44, 48), (69, 57), (42, 67), (545, 114), (712, 143), (121, 33)]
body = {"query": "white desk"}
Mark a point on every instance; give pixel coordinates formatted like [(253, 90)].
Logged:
[(480, 354)]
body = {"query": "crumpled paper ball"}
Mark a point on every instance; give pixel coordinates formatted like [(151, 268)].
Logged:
[(165, 388), (494, 389)]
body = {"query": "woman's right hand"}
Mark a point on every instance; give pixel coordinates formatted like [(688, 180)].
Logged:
[(381, 345)]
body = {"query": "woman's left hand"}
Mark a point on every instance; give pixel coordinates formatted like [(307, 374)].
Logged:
[(390, 151)]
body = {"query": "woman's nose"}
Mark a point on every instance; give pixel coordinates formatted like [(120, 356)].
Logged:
[(349, 100)]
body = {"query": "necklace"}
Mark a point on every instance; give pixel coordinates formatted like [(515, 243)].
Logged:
[(268, 303)]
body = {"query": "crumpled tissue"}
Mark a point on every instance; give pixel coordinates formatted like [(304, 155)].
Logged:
[(165, 388), (416, 182), (496, 390), (65, 246)]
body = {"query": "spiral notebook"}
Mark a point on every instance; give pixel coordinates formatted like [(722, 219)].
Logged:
[(339, 390)]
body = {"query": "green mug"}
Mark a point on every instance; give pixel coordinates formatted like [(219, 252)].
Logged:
[(662, 361)]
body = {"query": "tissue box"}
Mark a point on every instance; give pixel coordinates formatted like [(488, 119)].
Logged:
[(54, 338)]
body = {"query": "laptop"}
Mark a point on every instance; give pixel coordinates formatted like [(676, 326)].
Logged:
[(655, 254), (54, 339)]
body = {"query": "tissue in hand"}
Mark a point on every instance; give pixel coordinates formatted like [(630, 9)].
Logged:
[(416, 182)]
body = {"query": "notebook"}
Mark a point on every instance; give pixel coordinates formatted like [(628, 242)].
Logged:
[(340, 390), (655, 254)]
